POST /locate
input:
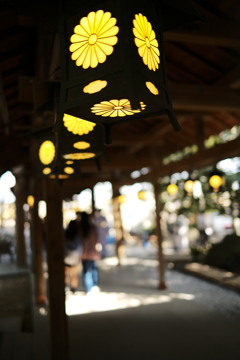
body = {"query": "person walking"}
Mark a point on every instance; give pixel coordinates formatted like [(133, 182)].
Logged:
[(90, 253), (72, 253)]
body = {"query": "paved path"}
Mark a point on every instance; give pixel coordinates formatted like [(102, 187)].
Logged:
[(130, 319)]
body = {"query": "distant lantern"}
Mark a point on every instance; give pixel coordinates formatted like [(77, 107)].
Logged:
[(188, 186), (122, 199), (30, 201), (216, 180), (112, 61), (172, 189), (142, 195)]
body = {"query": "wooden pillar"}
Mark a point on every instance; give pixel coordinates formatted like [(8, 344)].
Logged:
[(55, 249), (162, 283), (93, 200), (20, 200), (37, 244), (118, 226)]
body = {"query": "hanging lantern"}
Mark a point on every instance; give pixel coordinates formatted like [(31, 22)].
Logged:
[(216, 180), (172, 189), (112, 60), (80, 140), (30, 201), (142, 195), (122, 199), (188, 186)]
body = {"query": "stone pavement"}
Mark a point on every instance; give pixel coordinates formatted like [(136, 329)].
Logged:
[(131, 319)]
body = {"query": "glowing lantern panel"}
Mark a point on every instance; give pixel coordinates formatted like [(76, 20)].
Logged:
[(47, 152), (79, 156), (146, 42), (81, 145), (95, 86), (93, 39), (77, 126)]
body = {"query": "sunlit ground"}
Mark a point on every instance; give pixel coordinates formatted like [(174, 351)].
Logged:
[(80, 303)]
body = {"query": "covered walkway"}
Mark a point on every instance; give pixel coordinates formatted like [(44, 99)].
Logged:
[(130, 319)]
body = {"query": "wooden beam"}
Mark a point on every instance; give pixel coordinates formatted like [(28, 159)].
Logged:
[(231, 78), (212, 32), (204, 98), (4, 113), (197, 161), (156, 133)]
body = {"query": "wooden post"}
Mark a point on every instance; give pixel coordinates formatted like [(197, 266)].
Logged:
[(93, 200), (118, 225), (162, 283), (20, 200), (37, 243), (55, 248)]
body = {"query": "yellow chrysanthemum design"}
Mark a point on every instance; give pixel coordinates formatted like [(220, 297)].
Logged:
[(76, 125), (81, 145), (152, 88), (79, 156), (68, 170), (69, 162), (115, 108), (93, 39), (95, 86), (145, 40), (46, 171), (47, 152)]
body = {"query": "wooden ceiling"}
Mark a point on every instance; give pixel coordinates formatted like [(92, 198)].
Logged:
[(203, 68)]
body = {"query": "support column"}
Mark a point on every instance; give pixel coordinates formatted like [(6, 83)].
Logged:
[(37, 243), (161, 269), (55, 248), (20, 200), (93, 200), (120, 250)]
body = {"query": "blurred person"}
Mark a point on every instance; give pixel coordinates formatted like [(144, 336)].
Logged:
[(90, 253), (73, 244), (203, 238), (103, 230)]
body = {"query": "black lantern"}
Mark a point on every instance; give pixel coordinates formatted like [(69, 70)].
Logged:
[(112, 60)]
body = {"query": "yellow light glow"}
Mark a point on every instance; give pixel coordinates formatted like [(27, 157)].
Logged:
[(122, 199), (172, 189), (142, 195), (81, 145), (152, 88), (145, 40), (216, 181), (68, 170), (30, 200), (79, 156), (93, 39), (46, 171), (188, 186), (115, 108), (77, 126), (47, 152), (95, 86), (69, 162), (61, 176)]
